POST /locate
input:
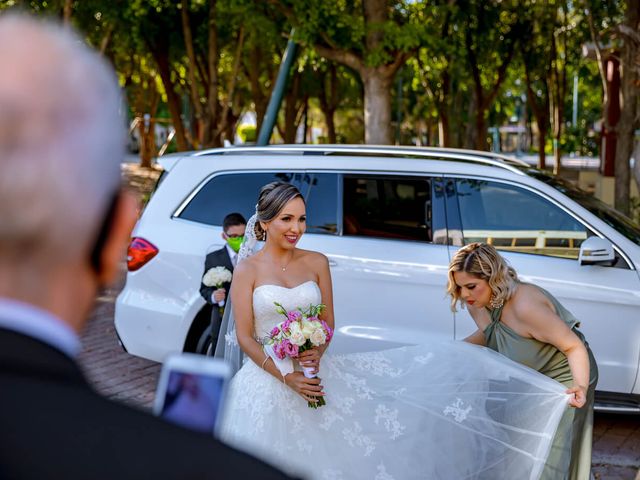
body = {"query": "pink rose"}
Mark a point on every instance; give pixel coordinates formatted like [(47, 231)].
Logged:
[(327, 330), (285, 325), (274, 332), (294, 315), (279, 351), (290, 349)]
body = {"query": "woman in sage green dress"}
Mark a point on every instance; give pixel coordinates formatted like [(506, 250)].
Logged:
[(527, 324)]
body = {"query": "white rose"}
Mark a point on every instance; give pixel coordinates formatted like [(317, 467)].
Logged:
[(294, 328), (308, 329), (318, 338), (297, 338)]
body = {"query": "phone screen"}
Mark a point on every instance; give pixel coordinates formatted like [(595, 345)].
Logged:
[(193, 400)]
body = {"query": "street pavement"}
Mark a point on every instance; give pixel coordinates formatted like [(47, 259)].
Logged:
[(123, 377)]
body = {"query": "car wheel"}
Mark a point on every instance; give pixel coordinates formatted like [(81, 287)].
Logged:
[(204, 345)]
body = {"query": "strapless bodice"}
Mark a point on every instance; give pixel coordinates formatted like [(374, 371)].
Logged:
[(264, 310)]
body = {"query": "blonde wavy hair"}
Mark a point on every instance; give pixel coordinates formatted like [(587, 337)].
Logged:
[(483, 261)]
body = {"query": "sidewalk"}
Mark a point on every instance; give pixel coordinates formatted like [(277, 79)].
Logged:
[(616, 447)]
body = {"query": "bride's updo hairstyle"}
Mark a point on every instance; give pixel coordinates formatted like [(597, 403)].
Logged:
[(483, 261), (272, 199)]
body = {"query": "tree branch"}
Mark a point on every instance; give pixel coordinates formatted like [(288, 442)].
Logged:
[(390, 69), (343, 57), (596, 43)]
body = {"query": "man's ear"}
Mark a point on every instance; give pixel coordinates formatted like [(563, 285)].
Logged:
[(118, 236)]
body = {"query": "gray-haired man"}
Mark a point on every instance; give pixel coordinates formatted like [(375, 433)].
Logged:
[(64, 227)]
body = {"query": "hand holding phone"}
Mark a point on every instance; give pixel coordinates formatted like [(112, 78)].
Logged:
[(191, 391)]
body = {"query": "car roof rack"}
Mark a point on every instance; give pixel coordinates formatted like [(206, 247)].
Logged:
[(455, 154)]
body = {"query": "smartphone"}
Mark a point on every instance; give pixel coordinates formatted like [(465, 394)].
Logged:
[(191, 391)]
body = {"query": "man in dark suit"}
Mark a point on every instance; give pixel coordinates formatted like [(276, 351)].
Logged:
[(233, 227), (64, 227)]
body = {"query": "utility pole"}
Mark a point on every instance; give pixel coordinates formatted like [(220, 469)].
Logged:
[(271, 115)]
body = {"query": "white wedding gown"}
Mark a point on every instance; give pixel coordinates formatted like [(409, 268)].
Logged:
[(446, 410)]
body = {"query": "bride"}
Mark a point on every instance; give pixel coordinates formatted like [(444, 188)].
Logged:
[(446, 410)]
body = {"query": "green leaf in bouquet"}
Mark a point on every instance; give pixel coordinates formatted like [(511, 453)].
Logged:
[(280, 309)]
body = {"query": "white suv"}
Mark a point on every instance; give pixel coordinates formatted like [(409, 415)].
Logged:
[(389, 219)]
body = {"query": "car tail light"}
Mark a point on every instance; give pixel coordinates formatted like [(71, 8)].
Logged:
[(139, 253)]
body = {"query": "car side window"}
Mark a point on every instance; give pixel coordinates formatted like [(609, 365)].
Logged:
[(232, 192), (516, 219), (320, 191), (387, 207)]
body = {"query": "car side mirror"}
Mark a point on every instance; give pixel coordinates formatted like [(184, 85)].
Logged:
[(596, 251)]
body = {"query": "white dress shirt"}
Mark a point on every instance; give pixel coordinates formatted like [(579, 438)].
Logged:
[(37, 323)]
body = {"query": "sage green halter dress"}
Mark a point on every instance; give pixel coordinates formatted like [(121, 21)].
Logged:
[(570, 456)]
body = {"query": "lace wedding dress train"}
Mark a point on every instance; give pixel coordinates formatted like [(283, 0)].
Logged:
[(446, 410)]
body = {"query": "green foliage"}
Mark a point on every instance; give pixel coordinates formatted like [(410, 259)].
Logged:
[(580, 141), (634, 209), (436, 82), (341, 24)]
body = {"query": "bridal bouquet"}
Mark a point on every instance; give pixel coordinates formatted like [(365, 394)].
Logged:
[(301, 331), (216, 277)]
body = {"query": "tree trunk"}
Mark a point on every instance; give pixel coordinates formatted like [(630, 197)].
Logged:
[(67, 10), (636, 166), (540, 112), (542, 142), (191, 74), (377, 87), (291, 110), (146, 105), (624, 149), (329, 101), (377, 108), (106, 39), (558, 118), (147, 142), (629, 111), (559, 87), (456, 118), (376, 80), (226, 113), (471, 132), (211, 118), (260, 100), (173, 100), (331, 129), (481, 130), (444, 135)]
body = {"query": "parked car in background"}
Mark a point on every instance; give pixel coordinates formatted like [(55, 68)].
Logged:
[(389, 219)]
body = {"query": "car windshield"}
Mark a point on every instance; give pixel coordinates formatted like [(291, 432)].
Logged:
[(607, 214)]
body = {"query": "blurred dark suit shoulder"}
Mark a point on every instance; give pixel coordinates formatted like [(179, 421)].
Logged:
[(54, 425)]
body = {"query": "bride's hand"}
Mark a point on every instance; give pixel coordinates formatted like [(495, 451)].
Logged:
[(307, 388), (310, 358)]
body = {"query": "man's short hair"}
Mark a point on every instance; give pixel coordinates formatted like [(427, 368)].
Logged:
[(232, 220), (61, 141)]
